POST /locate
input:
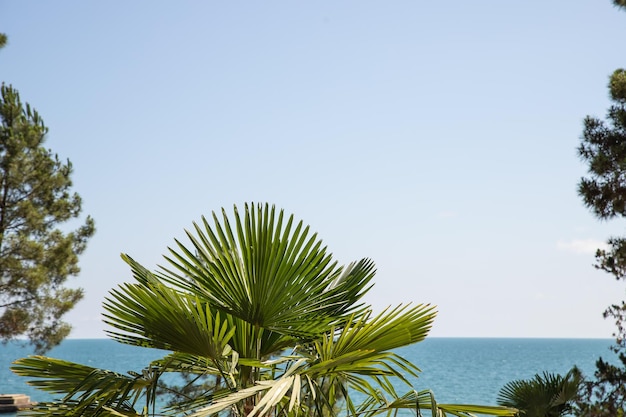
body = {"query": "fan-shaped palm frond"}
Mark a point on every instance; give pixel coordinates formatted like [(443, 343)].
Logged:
[(268, 272), (364, 346), (392, 328), (85, 389), (547, 395), (152, 314)]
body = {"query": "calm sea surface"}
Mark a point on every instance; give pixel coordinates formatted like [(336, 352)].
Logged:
[(458, 370)]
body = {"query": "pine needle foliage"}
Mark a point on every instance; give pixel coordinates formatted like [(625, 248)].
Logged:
[(603, 149), (37, 253)]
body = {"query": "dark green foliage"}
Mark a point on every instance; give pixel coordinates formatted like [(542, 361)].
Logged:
[(603, 148), (3, 39), (604, 396), (36, 257), (547, 395)]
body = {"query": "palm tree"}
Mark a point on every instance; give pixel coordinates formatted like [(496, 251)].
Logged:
[(547, 395), (259, 307)]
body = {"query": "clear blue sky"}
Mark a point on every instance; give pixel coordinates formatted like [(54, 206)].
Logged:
[(437, 138)]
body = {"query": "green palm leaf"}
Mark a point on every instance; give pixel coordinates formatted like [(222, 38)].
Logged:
[(390, 329), (364, 344), (546, 395), (425, 400), (152, 314), (268, 272), (74, 408), (84, 388)]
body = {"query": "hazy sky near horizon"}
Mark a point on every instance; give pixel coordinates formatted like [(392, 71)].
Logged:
[(437, 138)]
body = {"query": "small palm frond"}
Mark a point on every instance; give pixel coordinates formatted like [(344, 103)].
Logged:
[(424, 403), (570, 386), (548, 394), (84, 388), (363, 345), (75, 408), (470, 410), (390, 329), (152, 314), (515, 393), (349, 283)]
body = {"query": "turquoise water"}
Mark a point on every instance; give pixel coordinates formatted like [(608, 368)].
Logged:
[(458, 370), (461, 370)]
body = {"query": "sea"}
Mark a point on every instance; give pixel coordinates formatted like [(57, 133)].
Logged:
[(457, 370)]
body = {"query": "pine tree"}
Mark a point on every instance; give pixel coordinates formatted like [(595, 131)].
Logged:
[(37, 254), (603, 148)]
